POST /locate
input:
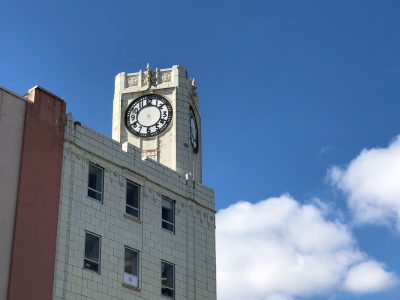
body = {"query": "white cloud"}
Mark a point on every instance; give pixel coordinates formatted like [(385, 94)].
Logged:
[(369, 277), (278, 249), (372, 184)]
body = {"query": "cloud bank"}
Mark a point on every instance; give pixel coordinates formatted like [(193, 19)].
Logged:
[(371, 183), (279, 249), (369, 277)]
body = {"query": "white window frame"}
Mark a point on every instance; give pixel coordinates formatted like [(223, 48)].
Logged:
[(126, 275), (173, 212), (173, 280), (126, 200), (91, 260), (102, 183)]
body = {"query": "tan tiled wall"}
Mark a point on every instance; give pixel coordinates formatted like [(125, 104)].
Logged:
[(191, 248)]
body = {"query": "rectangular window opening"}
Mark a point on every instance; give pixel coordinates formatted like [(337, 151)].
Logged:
[(92, 252), (95, 183), (132, 199), (168, 214), (131, 267), (167, 279)]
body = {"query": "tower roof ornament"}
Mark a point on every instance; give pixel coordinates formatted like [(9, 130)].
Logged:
[(194, 87), (148, 76)]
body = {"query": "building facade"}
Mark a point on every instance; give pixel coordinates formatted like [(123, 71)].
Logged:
[(129, 217)]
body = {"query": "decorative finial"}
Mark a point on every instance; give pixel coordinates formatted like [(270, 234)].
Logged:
[(148, 76), (194, 87)]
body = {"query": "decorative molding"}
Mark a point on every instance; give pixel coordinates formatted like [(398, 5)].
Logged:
[(166, 76), (133, 80), (149, 78)]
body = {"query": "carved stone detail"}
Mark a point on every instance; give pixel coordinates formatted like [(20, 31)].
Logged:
[(149, 79), (133, 80), (144, 80), (166, 76)]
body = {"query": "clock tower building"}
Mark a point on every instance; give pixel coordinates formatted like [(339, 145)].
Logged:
[(158, 112), (107, 218)]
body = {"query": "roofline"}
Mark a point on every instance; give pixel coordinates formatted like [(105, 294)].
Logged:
[(31, 89), (13, 93), (46, 91)]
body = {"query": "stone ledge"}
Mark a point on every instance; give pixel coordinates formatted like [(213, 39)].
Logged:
[(131, 287), (132, 218)]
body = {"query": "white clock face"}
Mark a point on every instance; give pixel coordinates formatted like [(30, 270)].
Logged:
[(148, 115), (194, 133)]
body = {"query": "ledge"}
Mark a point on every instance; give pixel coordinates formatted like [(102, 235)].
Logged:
[(131, 287), (132, 218)]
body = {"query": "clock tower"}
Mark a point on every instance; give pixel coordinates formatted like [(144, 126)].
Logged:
[(157, 111)]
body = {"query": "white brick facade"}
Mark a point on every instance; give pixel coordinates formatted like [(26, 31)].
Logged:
[(191, 248)]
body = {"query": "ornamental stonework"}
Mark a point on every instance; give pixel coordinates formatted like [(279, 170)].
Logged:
[(165, 76), (133, 81)]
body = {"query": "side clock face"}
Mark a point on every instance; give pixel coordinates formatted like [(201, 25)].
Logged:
[(148, 115), (194, 133)]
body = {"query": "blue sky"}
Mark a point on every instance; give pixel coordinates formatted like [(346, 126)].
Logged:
[(288, 90)]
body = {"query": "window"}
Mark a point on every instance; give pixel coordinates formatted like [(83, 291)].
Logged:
[(92, 252), (95, 186), (167, 279), (132, 199), (131, 267), (168, 207)]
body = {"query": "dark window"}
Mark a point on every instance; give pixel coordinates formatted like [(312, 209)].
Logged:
[(92, 252), (132, 198), (95, 186), (168, 215), (167, 279), (131, 267)]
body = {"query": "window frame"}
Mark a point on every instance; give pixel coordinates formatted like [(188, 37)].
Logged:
[(102, 183), (173, 280), (128, 181), (173, 215), (137, 264), (91, 260)]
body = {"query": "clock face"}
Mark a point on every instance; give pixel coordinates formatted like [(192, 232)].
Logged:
[(148, 115), (194, 133)]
